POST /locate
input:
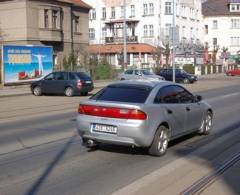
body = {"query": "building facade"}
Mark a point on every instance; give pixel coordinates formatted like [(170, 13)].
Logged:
[(62, 24), (222, 28), (148, 22)]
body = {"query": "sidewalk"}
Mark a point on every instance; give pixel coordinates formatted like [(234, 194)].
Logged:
[(193, 174)]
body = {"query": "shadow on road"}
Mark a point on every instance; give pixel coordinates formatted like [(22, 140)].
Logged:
[(35, 187), (216, 158)]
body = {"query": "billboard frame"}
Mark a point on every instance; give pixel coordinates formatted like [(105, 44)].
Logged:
[(3, 79)]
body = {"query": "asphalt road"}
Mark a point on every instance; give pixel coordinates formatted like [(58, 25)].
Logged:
[(41, 152)]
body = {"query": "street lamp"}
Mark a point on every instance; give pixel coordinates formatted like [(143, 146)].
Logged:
[(124, 36), (173, 44)]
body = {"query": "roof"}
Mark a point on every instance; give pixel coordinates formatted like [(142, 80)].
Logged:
[(79, 3), (217, 8), (118, 48)]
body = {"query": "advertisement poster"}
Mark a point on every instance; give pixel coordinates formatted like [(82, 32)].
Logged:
[(26, 63)]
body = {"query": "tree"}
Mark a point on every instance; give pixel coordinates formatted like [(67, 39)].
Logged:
[(70, 63)]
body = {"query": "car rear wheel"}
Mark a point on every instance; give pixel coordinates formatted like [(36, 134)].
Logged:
[(160, 142), (206, 126), (37, 91), (69, 91)]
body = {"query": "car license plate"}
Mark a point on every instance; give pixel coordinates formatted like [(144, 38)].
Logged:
[(104, 128), (88, 82)]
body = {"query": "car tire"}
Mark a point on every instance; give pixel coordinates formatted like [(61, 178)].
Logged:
[(206, 125), (37, 91), (160, 142), (185, 81), (68, 92)]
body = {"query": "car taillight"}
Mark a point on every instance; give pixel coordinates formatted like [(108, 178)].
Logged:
[(111, 112), (79, 84)]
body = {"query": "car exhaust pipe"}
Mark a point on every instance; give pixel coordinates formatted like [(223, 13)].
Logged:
[(91, 143)]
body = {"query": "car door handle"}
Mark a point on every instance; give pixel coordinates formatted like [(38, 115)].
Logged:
[(188, 109), (169, 111)]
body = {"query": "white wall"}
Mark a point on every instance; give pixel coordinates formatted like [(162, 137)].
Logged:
[(223, 33), (158, 20)]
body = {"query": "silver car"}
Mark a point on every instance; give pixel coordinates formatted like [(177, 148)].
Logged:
[(143, 114), (139, 74)]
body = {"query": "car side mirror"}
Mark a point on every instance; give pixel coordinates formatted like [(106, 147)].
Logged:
[(198, 98)]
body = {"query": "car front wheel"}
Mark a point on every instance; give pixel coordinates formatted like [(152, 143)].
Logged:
[(37, 91), (160, 142), (69, 91), (206, 126)]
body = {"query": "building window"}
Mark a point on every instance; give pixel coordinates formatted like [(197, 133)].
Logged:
[(214, 41), (46, 19), (93, 14), (215, 24), (168, 8), (191, 32), (104, 32), (177, 9), (91, 33), (184, 11), (112, 12), (104, 14), (235, 41), (196, 15), (235, 7), (145, 9), (183, 32), (151, 31), (167, 29), (151, 9), (122, 11), (132, 10), (235, 23), (54, 19), (76, 24), (145, 30), (206, 29)]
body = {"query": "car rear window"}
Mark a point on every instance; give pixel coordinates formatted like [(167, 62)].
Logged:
[(83, 76), (123, 93)]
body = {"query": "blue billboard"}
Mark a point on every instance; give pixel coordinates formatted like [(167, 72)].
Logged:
[(26, 63)]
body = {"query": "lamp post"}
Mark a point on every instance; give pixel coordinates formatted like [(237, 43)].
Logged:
[(173, 41), (124, 36)]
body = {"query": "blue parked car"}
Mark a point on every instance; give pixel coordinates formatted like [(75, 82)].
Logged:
[(181, 76), (68, 83)]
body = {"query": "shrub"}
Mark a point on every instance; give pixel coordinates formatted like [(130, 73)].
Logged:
[(104, 71)]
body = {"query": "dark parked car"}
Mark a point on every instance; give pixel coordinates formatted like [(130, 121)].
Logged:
[(68, 83), (181, 76)]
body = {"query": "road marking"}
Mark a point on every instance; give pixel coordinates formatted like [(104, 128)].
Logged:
[(222, 97)]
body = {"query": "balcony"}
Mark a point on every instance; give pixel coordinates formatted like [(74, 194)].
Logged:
[(130, 39), (55, 35)]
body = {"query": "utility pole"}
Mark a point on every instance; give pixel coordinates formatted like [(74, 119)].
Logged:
[(124, 36), (173, 40)]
